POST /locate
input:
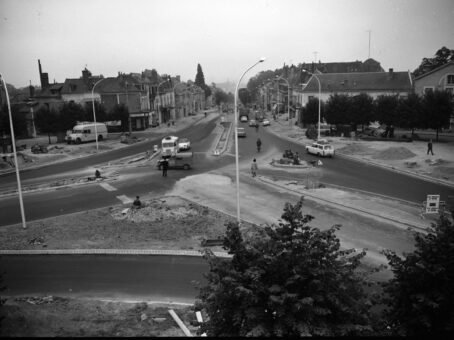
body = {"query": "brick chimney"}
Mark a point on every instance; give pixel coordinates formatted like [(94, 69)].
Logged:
[(391, 73)]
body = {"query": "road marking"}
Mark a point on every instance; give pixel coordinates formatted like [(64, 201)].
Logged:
[(125, 199), (107, 186)]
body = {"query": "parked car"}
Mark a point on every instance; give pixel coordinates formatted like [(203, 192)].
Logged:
[(266, 122), (253, 122), (320, 148), (241, 132), (243, 119), (182, 160), (184, 144), (260, 118)]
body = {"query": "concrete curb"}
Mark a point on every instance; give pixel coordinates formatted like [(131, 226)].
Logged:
[(109, 252), (404, 172)]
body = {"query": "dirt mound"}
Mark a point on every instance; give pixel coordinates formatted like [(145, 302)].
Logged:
[(394, 153), (354, 149)]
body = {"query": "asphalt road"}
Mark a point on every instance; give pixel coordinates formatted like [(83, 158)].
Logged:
[(135, 277)]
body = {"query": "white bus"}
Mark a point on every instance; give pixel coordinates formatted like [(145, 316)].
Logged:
[(169, 146)]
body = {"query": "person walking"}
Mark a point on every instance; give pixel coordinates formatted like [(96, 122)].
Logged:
[(137, 204), (259, 144), (429, 147), (165, 166), (254, 168)]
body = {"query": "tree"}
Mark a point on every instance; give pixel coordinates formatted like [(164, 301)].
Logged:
[(420, 296), (244, 96), (200, 81), (289, 280), (410, 112), (120, 112), (437, 110), (310, 111), (361, 110), (70, 114), (19, 123), (100, 111), (337, 109), (442, 56), (47, 121), (220, 97), (386, 112)]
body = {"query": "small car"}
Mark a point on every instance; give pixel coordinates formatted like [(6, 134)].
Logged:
[(184, 144), (320, 148), (260, 118), (266, 122), (243, 119), (241, 132), (253, 122), (182, 160)]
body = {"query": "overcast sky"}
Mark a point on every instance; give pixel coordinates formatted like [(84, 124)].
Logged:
[(225, 36)]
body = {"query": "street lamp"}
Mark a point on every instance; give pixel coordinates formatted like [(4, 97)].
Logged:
[(288, 97), (319, 95), (19, 190), (236, 143), (94, 114)]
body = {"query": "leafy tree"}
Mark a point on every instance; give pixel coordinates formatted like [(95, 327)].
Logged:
[(19, 123), (386, 111), (420, 296), (337, 109), (310, 111), (244, 96), (220, 97), (437, 110), (100, 111), (410, 112), (290, 280), (361, 110), (2, 300), (70, 113), (443, 56), (200, 81), (47, 121), (120, 112)]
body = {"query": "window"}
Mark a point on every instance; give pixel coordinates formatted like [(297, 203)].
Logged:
[(428, 89), (450, 79)]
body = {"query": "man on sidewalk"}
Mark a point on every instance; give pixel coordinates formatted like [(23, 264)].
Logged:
[(254, 168), (165, 166), (429, 147)]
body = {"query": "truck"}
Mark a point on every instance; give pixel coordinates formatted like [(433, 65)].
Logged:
[(86, 132)]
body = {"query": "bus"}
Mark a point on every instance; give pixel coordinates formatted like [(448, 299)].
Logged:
[(169, 146)]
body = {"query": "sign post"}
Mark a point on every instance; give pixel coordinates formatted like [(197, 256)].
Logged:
[(432, 204)]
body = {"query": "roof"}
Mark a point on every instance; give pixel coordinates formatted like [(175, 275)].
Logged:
[(451, 63), (78, 85), (360, 81)]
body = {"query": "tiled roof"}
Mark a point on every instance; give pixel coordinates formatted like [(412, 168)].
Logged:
[(360, 81), (435, 70), (78, 85)]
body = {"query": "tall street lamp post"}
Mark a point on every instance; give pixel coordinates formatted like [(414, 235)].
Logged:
[(288, 97), (19, 189), (94, 114), (319, 95), (236, 143)]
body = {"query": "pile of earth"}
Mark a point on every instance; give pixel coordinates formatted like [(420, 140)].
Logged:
[(394, 153), (355, 149)]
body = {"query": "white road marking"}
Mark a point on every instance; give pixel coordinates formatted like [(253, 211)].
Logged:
[(107, 186), (125, 199)]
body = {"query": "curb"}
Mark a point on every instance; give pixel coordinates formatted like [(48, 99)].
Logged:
[(110, 252), (390, 168)]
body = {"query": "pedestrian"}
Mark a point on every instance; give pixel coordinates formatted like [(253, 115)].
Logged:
[(165, 166), (429, 147), (97, 174), (137, 204), (254, 168), (296, 159)]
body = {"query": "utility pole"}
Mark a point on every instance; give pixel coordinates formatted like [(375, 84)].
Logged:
[(369, 43)]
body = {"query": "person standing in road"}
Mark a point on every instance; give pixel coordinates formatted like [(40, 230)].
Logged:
[(254, 168), (429, 147), (165, 166)]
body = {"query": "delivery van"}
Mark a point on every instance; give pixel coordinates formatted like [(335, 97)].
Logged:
[(170, 145), (86, 132)]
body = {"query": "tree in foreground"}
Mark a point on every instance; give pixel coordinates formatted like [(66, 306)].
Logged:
[(293, 280), (420, 297)]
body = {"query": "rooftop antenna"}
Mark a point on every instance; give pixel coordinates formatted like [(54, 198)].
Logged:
[(369, 43), (315, 56)]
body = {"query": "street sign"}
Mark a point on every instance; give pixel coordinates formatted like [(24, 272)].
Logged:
[(432, 204)]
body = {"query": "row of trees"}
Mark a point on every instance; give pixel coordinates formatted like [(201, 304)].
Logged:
[(431, 111), (295, 280), (53, 122)]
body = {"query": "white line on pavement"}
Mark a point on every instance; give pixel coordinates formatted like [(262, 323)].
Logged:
[(107, 186), (125, 199)]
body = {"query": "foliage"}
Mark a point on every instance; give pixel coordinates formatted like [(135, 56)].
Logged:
[(442, 56), (410, 111), (200, 81), (2, 300), (292, 280), (220, 97), (312, 132), (19, 122), (337, 109), (70, 113), (47, 121), (100, 111), (421, 294), (120, 112), (386, 110), (244, 96), (310, 111), (361, 110), (437, 109)]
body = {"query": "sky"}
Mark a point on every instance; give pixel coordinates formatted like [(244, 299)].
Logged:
[(225, 37)]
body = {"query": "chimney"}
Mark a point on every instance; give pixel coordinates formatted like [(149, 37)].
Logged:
[(32, 91), (391, 73), (43, 77), (86, 74)]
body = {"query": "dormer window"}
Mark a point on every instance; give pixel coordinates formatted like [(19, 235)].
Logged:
[(72, 87)]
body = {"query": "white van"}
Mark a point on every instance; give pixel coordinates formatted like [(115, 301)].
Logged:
[(170, 146), (85, 132)]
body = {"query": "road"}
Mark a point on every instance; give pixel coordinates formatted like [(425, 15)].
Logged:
[(135, 277)]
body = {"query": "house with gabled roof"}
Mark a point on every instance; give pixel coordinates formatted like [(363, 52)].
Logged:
[(354, 83)]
